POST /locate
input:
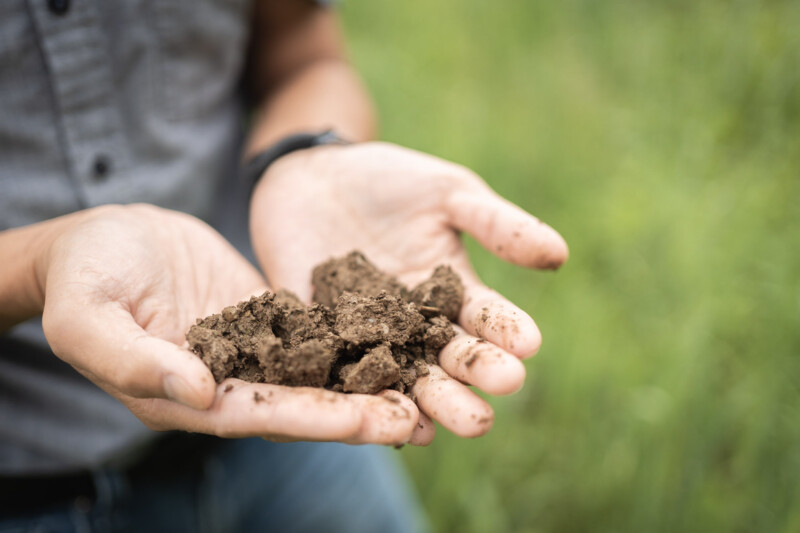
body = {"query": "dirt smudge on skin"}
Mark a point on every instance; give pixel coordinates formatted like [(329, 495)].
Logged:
[(391, 399)]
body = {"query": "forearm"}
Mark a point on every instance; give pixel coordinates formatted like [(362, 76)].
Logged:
[(23, 268), (326, 94), (299, 78)]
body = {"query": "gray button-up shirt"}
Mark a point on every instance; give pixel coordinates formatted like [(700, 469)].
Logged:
[(107, 101)]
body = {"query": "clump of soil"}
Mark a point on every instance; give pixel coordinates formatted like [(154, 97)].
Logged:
[(365, 331)]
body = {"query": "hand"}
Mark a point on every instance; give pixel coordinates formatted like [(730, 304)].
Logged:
[(404, 210), (122, 285)]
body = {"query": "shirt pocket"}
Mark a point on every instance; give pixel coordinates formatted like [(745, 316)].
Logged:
[(200, 53)]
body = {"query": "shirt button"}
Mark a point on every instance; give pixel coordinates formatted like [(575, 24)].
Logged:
[(59, 7), (101, 168)]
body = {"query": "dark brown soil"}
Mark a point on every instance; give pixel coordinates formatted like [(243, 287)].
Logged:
[(365, 332)]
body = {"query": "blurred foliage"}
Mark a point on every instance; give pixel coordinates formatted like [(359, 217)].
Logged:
[(662, 138)]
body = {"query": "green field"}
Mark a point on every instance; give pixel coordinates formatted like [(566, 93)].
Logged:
[(663, 140)]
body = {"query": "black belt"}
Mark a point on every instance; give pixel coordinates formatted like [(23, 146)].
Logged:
[(173, 455)]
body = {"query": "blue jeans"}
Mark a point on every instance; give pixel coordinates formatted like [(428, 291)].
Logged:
[(245, 486)]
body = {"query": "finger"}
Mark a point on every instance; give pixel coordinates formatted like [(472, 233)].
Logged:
[(106, 343), (279, 413), (242, 409), (487, 314), (388, 418), (424, 433), (478, 362), (506, 230), (452, 404)]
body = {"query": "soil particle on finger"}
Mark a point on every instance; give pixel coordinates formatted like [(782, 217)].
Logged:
[(391, 399), (365, 331)]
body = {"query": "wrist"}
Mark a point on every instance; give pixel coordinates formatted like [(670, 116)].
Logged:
[(23, 278), (258, 164), (47, 235), (22, 275)]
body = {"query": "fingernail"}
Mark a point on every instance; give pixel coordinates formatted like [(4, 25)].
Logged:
[(178, 390)]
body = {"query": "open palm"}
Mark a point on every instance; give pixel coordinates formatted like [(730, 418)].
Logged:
[(404, 210), (123, 285)]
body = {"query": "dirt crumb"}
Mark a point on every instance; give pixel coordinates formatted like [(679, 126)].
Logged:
[(441, 294), (375, 371), (368, 320), (352, 273), (365, 331)]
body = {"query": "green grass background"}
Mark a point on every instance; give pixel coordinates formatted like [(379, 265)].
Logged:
[(662, 138)]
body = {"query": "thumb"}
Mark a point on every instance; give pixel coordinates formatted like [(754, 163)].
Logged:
[(106, 344), (506, 230)]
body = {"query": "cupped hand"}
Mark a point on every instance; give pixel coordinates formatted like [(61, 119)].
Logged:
[(121, 287), (404, 210)]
